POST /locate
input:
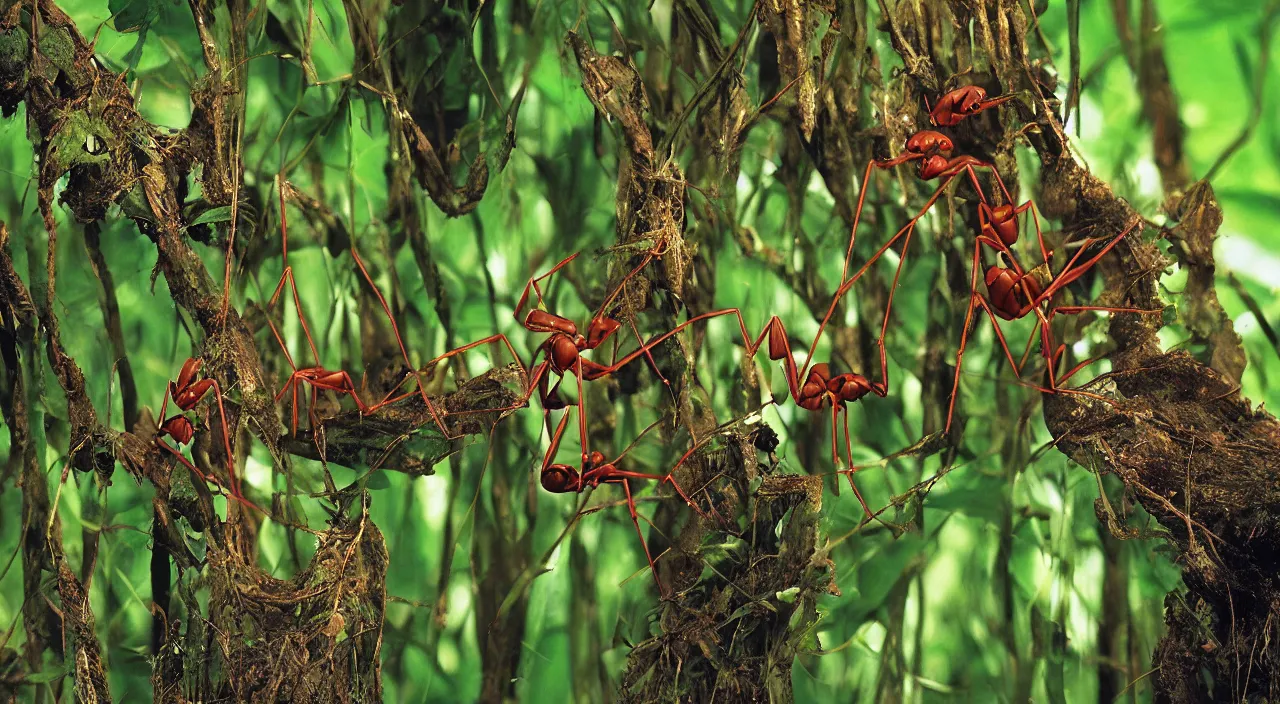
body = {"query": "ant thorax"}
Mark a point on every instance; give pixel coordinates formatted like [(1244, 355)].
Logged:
[(563, 351)]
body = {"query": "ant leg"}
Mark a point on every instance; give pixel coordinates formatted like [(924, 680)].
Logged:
[(847, 284), (532, 285), (1004, 190), (848, 442), (835, 452), (933, 199), (226, 440), (955, 385), (848, 473), (1026, 352), (1058, 385), (312, 419), (339, 382), (164, 406), (550, 457), (992, 102), (973, 178), (668, 478), (622, 285), (538, 378), (769, 103), (1052, 360), (774, 332), (974, 297), (649, 356), (582, 411), (635, 521), (395, 329), (289, 385), (596, 372), (857, 214), (436, 414), (1076, 392), (294, 426), (1073, 272), (287, 277), (835, 436), (210, 479), (1072, 310), (1004, 345), (657, 251), (884, 325)]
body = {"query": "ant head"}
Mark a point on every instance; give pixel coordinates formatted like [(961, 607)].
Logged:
[(933, 167), (929, 142), (850, 387), (968, 97), (600, 330), (178, 428), (819, 373), (561, 479), (190, 369), (1000, 222), (996, 273), (595, 459), (814, 391)]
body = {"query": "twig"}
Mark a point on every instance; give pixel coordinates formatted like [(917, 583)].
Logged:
[(111, 317), (1252, 304)]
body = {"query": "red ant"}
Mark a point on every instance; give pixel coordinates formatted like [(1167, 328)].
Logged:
[(317, 376), (320, 379), (998, 224), (1014, 295), (186, 393), (563, 349), (819, 389), (999, 231), (931, 148), (561, 353), (566, 479), (956, 105)]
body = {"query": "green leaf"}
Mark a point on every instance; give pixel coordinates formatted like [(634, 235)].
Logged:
[(132, 15), (45, 677), (378, 480), (221, 213)]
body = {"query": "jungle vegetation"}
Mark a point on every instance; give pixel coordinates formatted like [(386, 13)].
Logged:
[(212, 209)]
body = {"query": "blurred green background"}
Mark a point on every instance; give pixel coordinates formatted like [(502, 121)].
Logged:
[(1009, 585)]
